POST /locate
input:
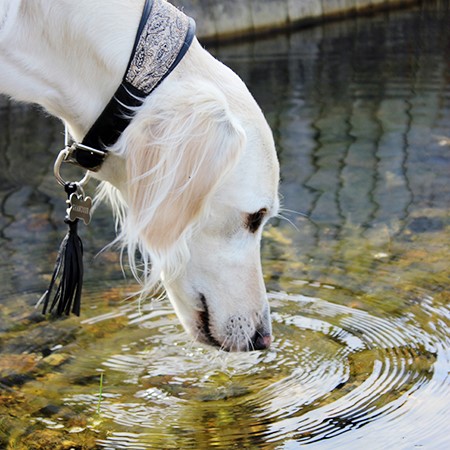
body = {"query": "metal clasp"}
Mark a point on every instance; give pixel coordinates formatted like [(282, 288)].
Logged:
[(64, 155)]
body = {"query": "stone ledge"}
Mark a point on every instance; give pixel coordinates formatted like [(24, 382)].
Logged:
[(227, 19)]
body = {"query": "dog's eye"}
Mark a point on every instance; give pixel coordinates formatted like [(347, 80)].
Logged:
[(254, 220)]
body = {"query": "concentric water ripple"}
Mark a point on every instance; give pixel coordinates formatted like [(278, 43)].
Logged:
[(333, 372), (390, 365)]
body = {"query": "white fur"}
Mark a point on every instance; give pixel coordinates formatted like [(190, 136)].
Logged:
[(197, 159)]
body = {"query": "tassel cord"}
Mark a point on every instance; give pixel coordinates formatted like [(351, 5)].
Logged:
[(68, 272)]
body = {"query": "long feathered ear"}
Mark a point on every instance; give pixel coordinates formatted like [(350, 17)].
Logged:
[(179, 149)]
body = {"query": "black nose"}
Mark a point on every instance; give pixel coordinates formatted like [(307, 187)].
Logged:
[(261, 341)]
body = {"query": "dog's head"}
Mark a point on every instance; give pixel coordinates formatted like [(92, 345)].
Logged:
[(201, 181)]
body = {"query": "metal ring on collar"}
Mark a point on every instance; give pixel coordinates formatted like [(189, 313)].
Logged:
[(63, 155)]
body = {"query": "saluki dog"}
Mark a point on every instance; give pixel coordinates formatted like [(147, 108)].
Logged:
[(192, 178)]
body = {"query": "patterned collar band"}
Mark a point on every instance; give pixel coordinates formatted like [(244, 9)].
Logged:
[(163, 38)]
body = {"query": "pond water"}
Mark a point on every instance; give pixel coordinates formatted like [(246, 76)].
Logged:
[(357, 274)]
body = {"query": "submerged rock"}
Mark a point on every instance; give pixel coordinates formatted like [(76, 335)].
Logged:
[(426, 224)]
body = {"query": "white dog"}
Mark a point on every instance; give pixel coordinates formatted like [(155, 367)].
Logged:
[(192, 178)]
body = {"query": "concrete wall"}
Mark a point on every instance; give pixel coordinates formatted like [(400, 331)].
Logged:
[(221, 19)]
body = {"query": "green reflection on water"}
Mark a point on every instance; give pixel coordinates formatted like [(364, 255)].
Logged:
[(360, 112)]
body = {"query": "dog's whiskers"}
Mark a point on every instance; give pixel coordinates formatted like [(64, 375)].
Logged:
[(249, 342), (280, 215), (293, 211)]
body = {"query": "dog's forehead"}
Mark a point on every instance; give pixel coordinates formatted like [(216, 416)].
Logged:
[(252, 184)]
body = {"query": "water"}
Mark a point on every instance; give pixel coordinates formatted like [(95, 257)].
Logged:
[(359, 288)]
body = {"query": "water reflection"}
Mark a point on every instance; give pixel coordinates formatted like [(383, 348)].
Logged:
[(359, 289), (353, 113), (359, 111)]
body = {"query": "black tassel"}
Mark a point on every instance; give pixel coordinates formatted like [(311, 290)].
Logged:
[(68, 272)]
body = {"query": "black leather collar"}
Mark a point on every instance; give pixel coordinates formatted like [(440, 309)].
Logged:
[(118, 113)]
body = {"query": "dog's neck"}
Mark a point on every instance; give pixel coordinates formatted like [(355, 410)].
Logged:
[(52, 54)]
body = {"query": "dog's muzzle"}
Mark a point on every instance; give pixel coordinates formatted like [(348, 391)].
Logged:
[(240, 332)]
